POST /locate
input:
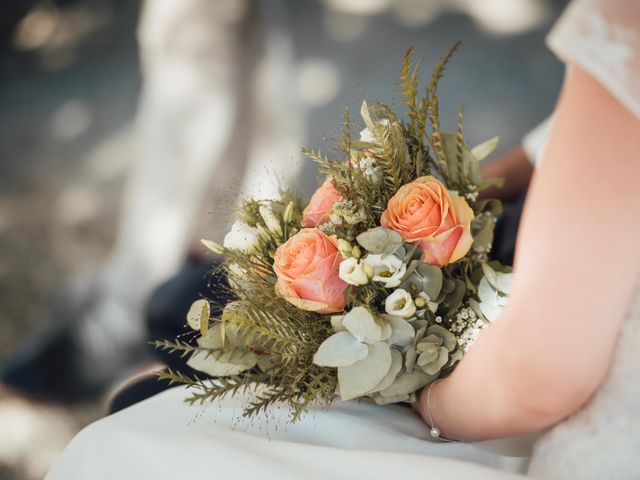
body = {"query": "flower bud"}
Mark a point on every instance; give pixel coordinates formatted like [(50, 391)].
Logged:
[(288, 213), (215, 247), (270, 220), (345, 248)]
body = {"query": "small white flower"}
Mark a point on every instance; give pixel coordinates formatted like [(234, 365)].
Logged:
[(345, 248), (400, 304), (367, 135), (241, 237), (494, 298), (352, 272), (370, 170), (386, 269)]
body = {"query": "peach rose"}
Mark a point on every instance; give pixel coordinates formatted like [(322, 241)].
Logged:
[(317, 211), (423, 211), (307, 268)]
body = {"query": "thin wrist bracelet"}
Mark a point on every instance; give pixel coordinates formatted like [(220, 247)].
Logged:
[(435, 431)]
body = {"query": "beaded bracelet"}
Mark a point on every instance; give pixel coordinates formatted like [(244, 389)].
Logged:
[(435, 431)]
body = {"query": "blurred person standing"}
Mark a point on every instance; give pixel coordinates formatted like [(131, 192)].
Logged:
[(216, 107)]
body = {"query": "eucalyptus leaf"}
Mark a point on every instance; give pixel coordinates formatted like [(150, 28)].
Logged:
[(448, 338), (402, 333), (359, 378), (454, 357), (340, 350), (238, 357), (385, 328), (454, 299), (407, 383), (380, 240), (198, 316), (394, 370), (433, 367), (492, 204), (473, 303), (362, 325), (267, 362), (490, 275), (483, 239), (491, 311), (213, 339), (432, 280), (222, 336), (448, 285), (410, 358), (430, 354), (203, 362), (484, 149), (491, 182)]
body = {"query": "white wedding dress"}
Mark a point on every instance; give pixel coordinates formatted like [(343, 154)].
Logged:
[(163, 438)]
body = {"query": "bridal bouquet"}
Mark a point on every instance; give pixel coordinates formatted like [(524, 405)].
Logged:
[(375, 287)]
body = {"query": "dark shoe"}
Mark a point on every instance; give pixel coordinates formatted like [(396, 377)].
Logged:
[(79, 357)]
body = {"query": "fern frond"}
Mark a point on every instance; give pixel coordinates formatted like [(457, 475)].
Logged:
[(439, 70), (176, 346), (460, 148), (219, 387), (436, 139), (408, 82), (175, 377)]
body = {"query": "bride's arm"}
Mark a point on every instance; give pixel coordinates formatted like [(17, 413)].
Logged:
[(576, 265)]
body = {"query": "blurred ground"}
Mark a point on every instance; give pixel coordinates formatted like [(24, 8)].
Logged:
[(69, 83)]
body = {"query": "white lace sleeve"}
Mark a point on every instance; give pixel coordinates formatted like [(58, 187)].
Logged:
[(603, 38)]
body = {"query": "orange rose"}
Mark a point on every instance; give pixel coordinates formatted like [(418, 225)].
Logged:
[(423, 211), (321, 203), (307, 267)]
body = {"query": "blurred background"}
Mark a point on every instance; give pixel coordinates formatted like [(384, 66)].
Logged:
[(127, 128)]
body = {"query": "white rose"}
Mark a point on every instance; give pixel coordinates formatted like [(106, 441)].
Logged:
[(386, 269), (494, 298), (400, 304), (352, 272), (241, 237)]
